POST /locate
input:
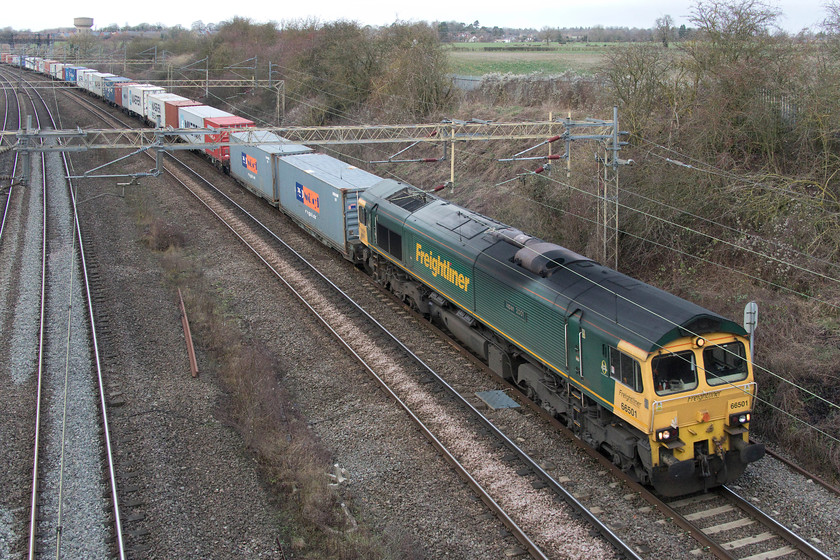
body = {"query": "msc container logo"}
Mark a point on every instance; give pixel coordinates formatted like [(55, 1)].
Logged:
[(308, 197), (250, 163), (441, 267)]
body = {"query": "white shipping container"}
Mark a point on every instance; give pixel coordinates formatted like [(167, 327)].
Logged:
[(97, 82), (137, 96), (126, 93), (193, 117), (81, 77), (156, 110), (57, 71)]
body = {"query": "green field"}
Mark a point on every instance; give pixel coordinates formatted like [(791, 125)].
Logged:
[(477, 59)]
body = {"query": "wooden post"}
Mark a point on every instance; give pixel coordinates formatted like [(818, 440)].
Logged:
[(188, 335)]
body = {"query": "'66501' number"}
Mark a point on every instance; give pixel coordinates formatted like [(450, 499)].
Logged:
[(629, 410), (736, 405)]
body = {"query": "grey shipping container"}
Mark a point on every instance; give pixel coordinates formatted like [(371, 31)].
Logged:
[(321, 193), (255, 166), (193, 117)]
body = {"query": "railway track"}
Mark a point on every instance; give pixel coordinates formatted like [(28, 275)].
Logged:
[(68, 516), (722, 513), (6, 182)]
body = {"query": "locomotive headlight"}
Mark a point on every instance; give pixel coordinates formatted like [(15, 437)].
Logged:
[(668, 434), (699, 342), (739, 418)]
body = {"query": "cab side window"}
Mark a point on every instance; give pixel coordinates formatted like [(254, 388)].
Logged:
[(625, 370)]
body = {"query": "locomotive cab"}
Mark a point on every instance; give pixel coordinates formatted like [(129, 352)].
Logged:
[(701, 394)]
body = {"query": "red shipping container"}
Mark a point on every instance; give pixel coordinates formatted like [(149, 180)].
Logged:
[(171, 109), (222, 153)]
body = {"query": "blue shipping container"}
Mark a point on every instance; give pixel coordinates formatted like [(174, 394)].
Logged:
[(254, 165), (321, 193), (70, 73), (108, 87)]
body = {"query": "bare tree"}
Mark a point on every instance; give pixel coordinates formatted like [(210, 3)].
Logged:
[(665, 29), (729, 30)]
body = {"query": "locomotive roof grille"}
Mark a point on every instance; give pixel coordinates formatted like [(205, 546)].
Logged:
[(409, 199)]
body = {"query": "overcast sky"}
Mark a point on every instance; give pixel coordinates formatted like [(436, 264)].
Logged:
[(797, 14)]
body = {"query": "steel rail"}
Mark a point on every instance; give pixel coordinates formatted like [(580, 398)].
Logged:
[(787, 462), (15, 164), (754, 512), (33, 516), (100, 380), (109, 452)]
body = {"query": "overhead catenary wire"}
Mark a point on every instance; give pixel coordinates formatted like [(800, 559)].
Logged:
[(694, 256), (755, 365)]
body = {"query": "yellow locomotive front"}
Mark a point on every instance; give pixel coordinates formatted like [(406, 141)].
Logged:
[(697, 408)]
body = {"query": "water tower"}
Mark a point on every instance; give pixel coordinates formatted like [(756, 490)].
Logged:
[(83, 24)]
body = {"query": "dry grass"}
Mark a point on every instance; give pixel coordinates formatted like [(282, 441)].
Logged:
[(292, 461)]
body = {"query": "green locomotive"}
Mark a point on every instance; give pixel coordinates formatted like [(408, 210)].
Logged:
[(662, 386)]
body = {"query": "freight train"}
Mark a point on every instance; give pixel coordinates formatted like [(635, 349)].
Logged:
[(663, 387)]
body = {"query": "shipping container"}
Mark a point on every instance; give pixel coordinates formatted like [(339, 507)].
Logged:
[(321, 193), (255, 166), (70, 73), (222, 153), (57, 70), (44, 65), (157, 107), (193, 117), (109, 90), (121, 93), (96, 81), (81, 77), (172, 110), (137, 97)]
